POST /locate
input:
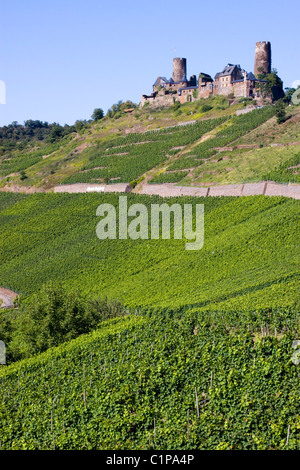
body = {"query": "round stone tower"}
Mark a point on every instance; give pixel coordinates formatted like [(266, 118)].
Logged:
[(262, 62), (179, 69)]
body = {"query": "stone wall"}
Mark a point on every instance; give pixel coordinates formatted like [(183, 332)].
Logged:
[(92, 187), (158, 100), (266, 188)]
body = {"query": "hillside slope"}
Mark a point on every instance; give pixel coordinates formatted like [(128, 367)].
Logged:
[(204, 147), (250, 257)]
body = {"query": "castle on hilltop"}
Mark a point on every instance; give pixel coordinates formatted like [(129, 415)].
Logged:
[(232, 80)]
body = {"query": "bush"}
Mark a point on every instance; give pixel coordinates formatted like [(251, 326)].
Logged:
[(23, 175), (205, 108), (55, 315), (135, 182), (280, 112)]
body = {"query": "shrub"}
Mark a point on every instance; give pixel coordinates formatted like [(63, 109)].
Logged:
[(205, 108), (55, 315)]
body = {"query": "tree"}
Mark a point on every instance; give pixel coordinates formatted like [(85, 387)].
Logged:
[(56, 132), (280, 112), (97, 114), (55, 315), (272, 86)]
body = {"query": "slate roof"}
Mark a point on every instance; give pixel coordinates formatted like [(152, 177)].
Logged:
[(250, 76), (165, 80), (228, 70), (205, 75), (187, 88), (159, 80)]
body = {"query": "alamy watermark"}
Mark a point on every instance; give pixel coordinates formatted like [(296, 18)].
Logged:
[(136, 223), (296, 94), (2, 92), (2, 353)]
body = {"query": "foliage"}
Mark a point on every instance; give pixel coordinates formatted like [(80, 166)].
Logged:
[(117, 109), (286, 172), (18, 161), (176, 105), (53, 316), (132, 383), (205, 108), (97, 114), (169, 177), (288, 95), (233, 129), (280, 111), (135, 182), (272, 85)]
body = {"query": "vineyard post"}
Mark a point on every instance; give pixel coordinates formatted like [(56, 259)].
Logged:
[(288, 435), (197, 403), (188, 424)]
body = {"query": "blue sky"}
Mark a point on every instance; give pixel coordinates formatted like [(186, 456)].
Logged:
[(61, 59)]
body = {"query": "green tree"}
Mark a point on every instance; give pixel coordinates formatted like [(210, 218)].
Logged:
[(288, 95), (53, 316), (97, 114), (280, 111), (56, 133), (272, 86)]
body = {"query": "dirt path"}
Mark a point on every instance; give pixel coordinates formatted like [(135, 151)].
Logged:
[(7, 298)]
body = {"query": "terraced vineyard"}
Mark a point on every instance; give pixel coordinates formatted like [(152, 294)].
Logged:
[(126, 158), (232, 130), (210, 148)]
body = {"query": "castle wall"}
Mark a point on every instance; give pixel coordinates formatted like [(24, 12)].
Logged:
[(204, 92), (241, 89), (158, 100)]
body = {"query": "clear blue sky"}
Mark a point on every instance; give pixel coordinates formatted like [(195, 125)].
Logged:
[(61, 59)]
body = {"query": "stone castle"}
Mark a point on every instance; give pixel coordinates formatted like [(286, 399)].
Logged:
[(232, 80)]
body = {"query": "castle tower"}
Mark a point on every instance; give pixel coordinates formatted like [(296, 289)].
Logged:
[(262, 62), (179, 69)]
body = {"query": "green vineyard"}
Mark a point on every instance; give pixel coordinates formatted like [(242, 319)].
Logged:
[(250, 257), (159, 380), (123, 343)]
